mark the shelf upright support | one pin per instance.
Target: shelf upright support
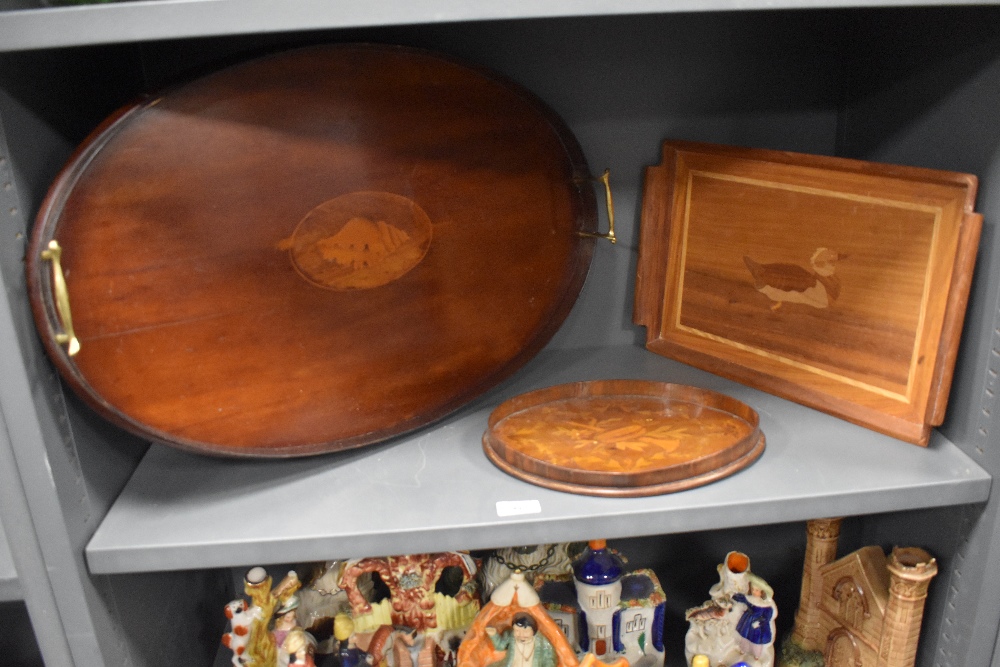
(36, 586)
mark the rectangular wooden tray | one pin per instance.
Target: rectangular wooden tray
(836, 283)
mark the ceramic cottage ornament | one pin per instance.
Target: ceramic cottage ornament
(514, 630)
(737, 624)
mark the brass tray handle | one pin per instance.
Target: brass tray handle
(603, 178)
(54, 254)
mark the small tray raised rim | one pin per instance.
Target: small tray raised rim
(668, 479)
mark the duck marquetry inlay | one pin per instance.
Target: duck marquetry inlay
(816, 286)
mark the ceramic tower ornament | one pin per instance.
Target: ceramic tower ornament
(605, 609)
(864, 609)
(597, 575)
(736, 625)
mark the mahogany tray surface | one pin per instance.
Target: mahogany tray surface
(836, 283)
(315, 250)
(622, 437)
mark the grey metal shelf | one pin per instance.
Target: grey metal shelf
(28, 25)
(10, 584)
(436, 490)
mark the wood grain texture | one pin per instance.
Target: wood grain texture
(622, 437)
(315, 250)
(836, 283)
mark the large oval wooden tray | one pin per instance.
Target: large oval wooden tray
(622, 437)
(312, 251)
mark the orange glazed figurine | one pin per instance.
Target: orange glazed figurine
(514, 630)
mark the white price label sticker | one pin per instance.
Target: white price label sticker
(518, 507)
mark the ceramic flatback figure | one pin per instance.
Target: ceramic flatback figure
(514, 630)
(432, 599)
(756, 625)
(265, 631)
(392, 611)
(412, 582)
(737, 624)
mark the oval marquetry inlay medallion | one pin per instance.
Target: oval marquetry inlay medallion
(360, 240)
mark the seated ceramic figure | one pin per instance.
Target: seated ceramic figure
(523, 646)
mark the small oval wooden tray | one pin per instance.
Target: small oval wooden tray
(622, 437)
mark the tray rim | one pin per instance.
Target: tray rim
(670, 479)
(654, 284)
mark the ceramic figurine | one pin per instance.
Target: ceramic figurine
(415, 616)
(756, 625)
(522, 645)
(240, 617)
(737, 623)
(398, 611)
(863, 610)
(322, 600)
(412, 601)
(300, 648)
(348, 652)
(541, 559)
(265, 632)
(514, 630)
(605, 610)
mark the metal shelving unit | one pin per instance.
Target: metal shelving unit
(31, 25)
(10, 584)
(109, 527)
